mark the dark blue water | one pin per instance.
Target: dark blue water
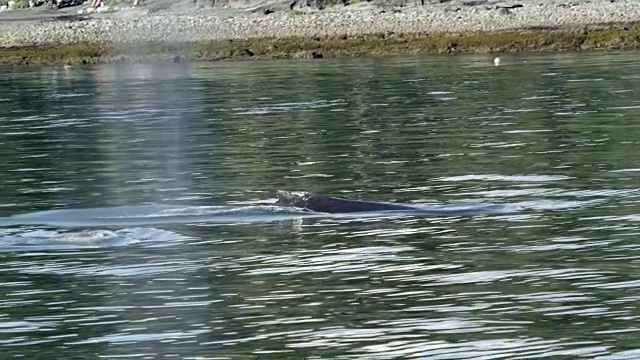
(137, 216)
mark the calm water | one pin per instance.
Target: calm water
(135, 217)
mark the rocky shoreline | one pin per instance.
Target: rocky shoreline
(475, 26)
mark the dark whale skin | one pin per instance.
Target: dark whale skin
(333, 205)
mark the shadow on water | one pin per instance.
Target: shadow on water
(135, 216)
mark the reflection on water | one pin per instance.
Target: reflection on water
(135, 216)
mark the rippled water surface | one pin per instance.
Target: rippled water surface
(136, 216)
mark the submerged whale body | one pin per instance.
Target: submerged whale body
(333, 205)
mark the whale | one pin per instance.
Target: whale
(333, 205)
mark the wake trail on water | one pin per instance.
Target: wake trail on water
(140, 224)
(144, 215)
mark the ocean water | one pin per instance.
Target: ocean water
(137, 215)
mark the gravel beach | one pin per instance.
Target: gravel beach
(29, 28)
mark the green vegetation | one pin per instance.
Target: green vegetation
(598, 38)
(17, 4)
(11, 39)
(297, 13)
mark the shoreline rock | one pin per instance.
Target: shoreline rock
(339, 31)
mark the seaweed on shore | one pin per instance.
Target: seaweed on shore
(596, 37)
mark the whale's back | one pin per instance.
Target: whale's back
(328, 204)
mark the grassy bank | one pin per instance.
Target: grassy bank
(596, 37)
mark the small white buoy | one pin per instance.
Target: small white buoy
(496, 61)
